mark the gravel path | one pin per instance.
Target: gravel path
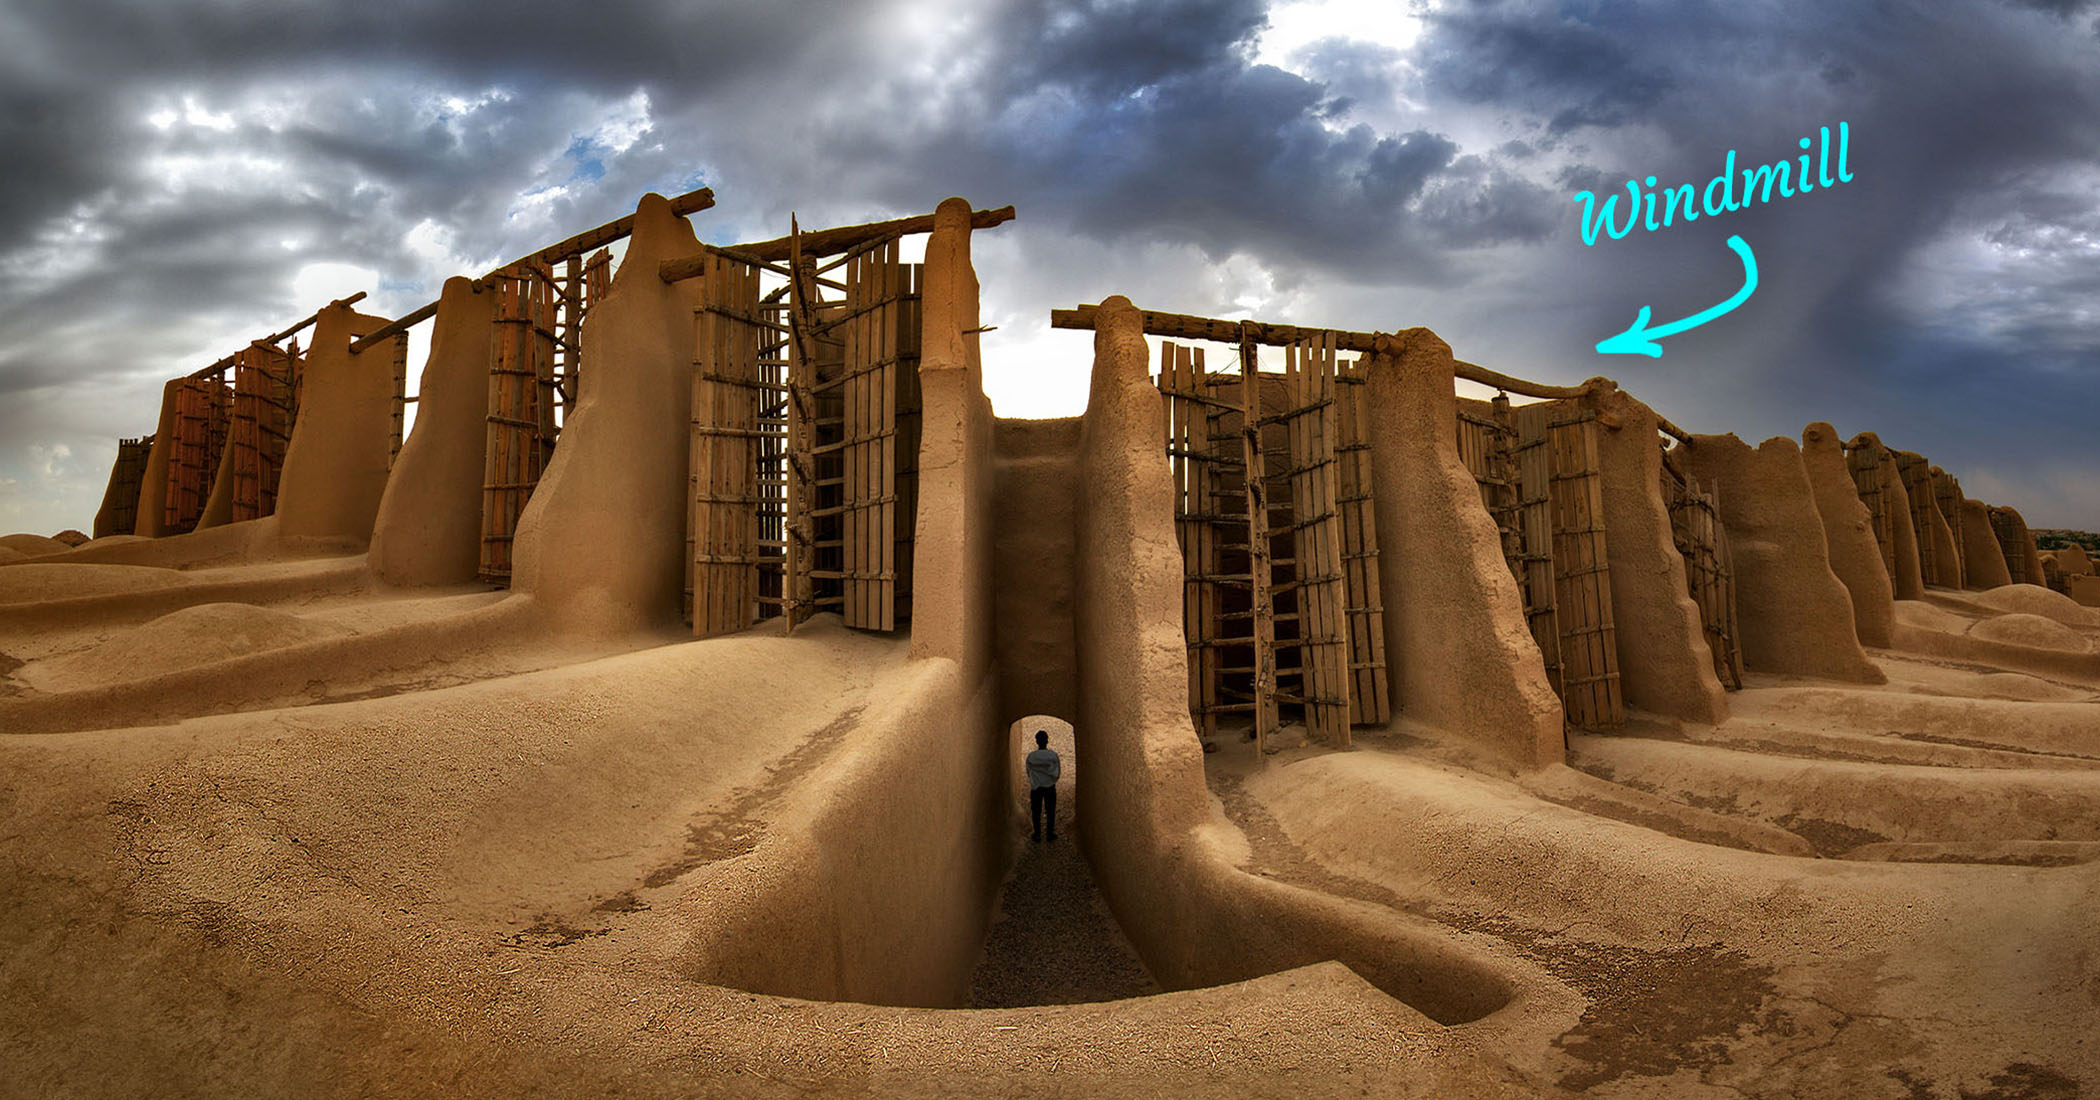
(1053, 940)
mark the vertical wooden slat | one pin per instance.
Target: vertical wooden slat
(1316, 551)
(798, 592)
(884, 392)
(905, 387)
(1365, 608)
(1261, 573)
(723, 513)
(400, 412)
(1535, 513)
(521, 422)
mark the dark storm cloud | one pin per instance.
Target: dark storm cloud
(167, 183)
(1960, 263)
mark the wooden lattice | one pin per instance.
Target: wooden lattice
(1189, 456)
(1568, 569)
(722, 565)
(203, 412)
(805, 441)
(1709, 572)
(1281, 605)
(521, 420)
(120, 502)
(1316, 586)
(261, 429)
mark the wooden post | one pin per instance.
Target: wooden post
(395, 435)
(1363, 599)
(797, 592)
(1261, 575)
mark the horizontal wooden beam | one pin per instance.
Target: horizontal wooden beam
(272, 339)
(1183, 326)
(691, 202)
(825, 242)
(688, 203)
(395, 327)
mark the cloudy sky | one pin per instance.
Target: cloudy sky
(183, 176)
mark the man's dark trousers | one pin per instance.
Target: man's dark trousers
(1042, 803)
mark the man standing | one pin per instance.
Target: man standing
(1043, 770)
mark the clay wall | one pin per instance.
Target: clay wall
(1848, 535)
(882, 888)
(1981, 555)
(956, 477)
(601, 544)
(1796, 617)
(1460, 657)
(1035, 515)
(335, 467)
(1665, 664)
(429, 526)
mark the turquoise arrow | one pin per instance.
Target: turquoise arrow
(1641, 340)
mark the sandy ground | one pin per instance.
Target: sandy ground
(471, 875)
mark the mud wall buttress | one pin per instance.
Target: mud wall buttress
(601, 544)
(953, 547)
(1665, 664)
(1458, 653)
(335, 467)
(1796, 616)
(429, 526)
(1848, 535)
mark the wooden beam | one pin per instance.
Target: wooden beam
(271, 340)
(824, 242)
(1188, 327)
(688, 203)
(394, 328)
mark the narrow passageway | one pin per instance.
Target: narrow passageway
(1053, 940)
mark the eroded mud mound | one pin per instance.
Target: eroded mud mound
(33, 582)
(2032, 631)
(33, 545)
(2030, 599)
(185, 639)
